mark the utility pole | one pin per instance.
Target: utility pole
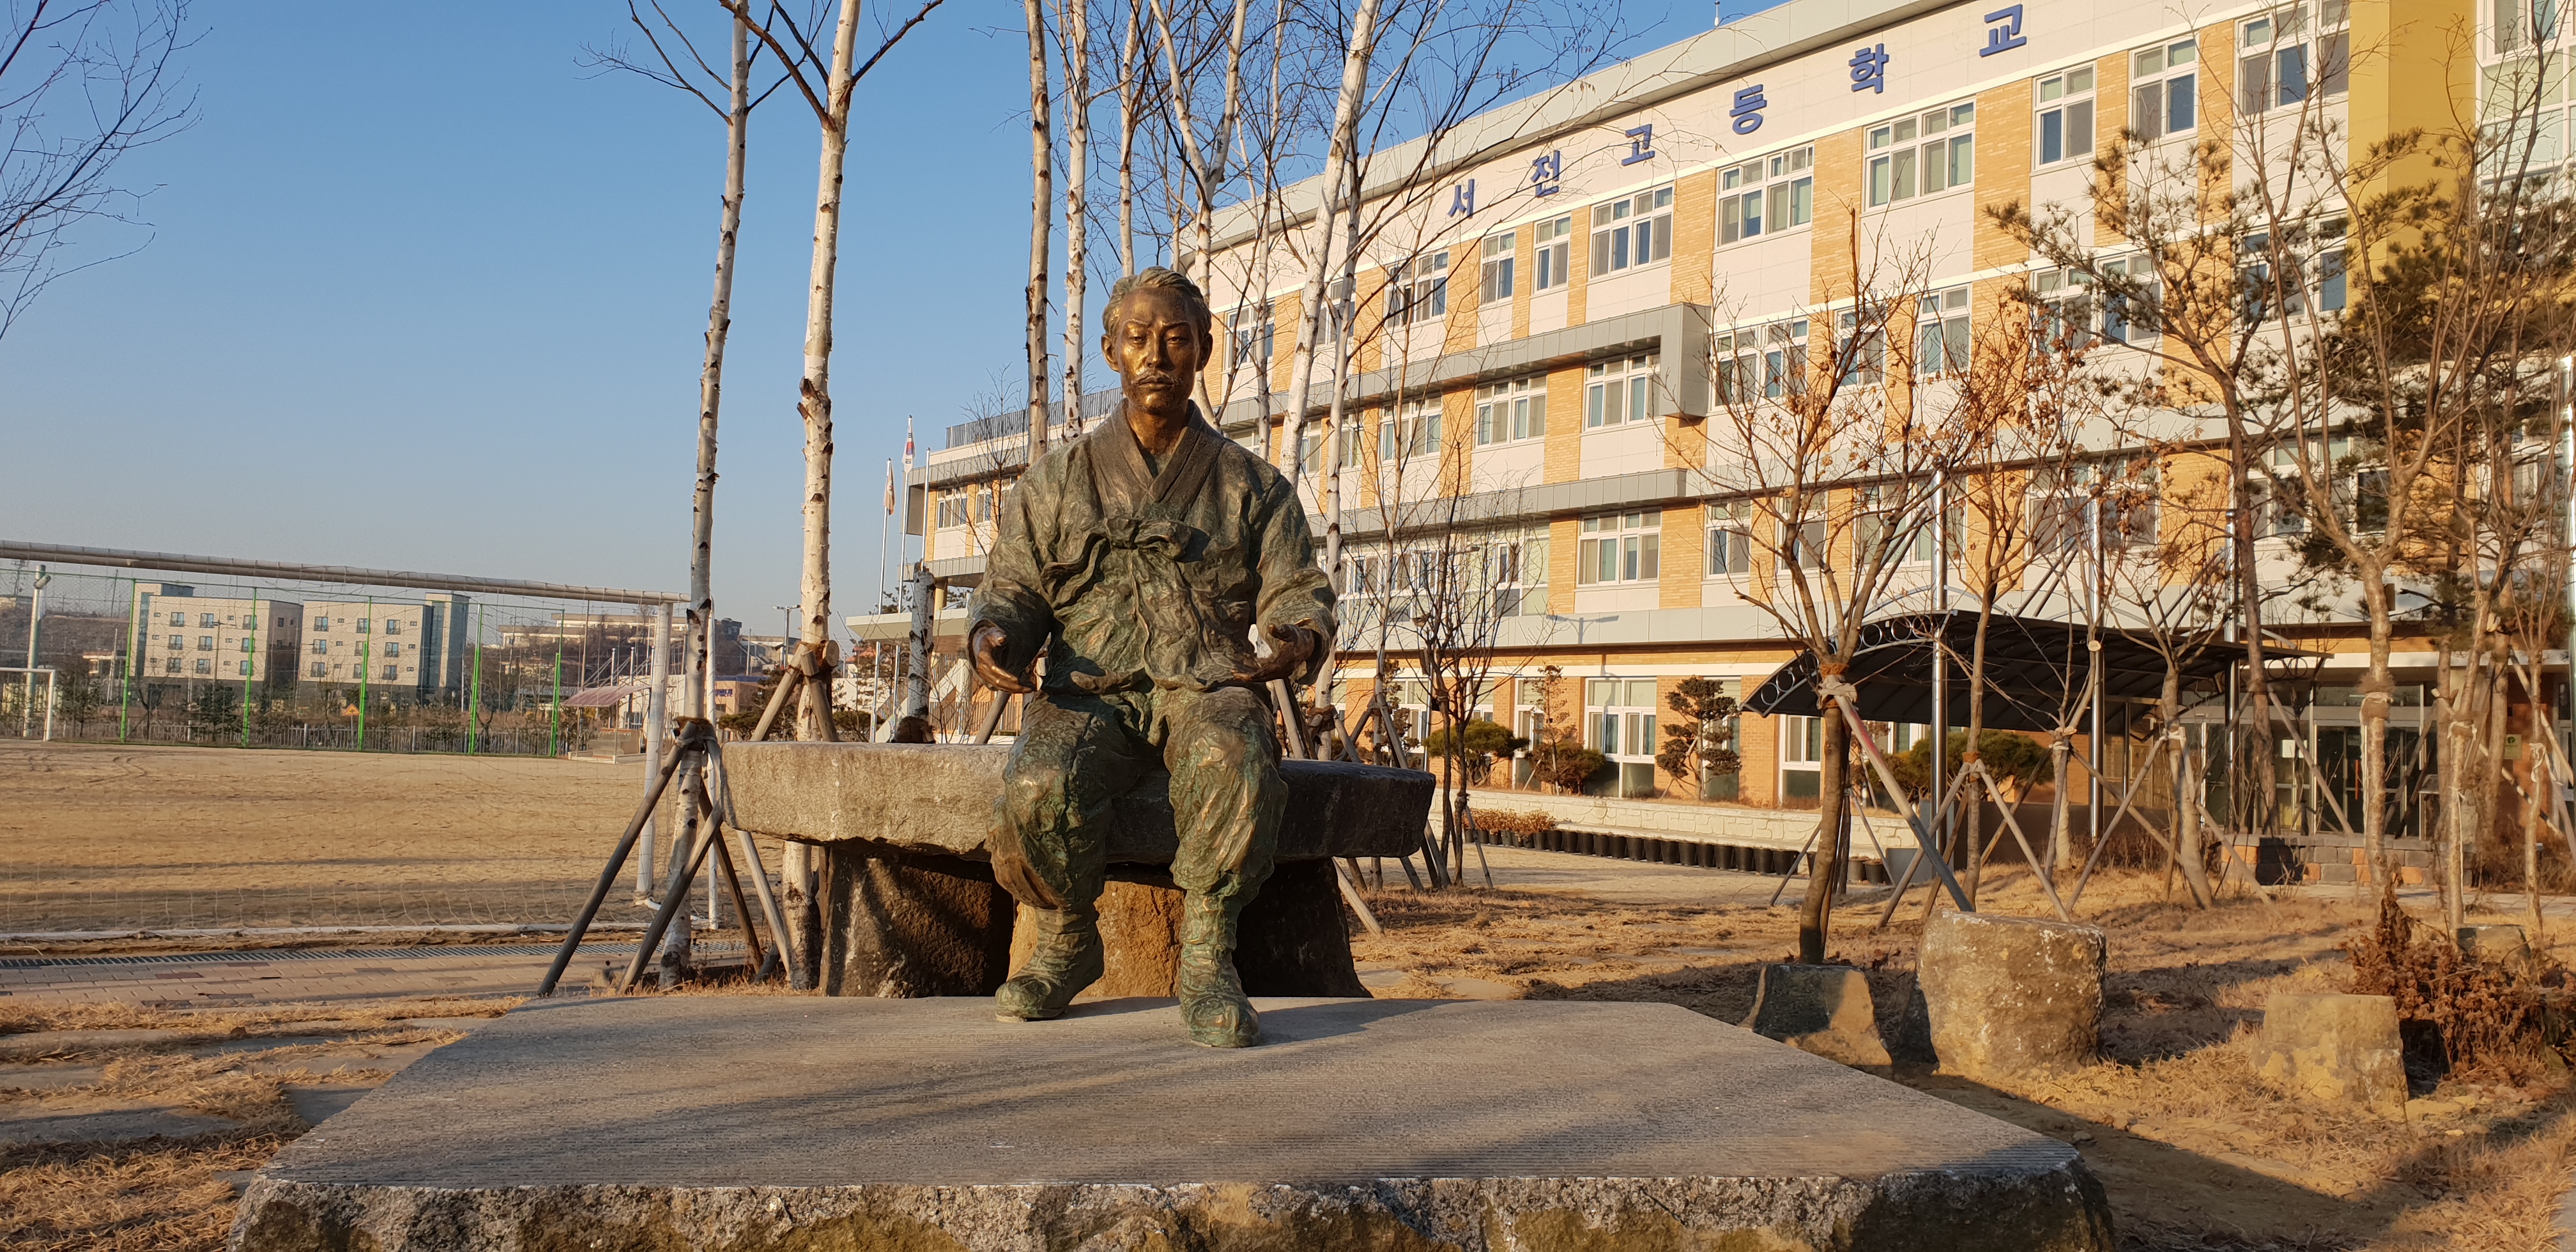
(27, 688)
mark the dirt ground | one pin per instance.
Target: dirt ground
(2195, 1151)
(120, 838)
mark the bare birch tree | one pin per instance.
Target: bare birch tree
(82, 83)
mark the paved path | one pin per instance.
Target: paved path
(198, 980)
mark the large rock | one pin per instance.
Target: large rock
(2341, 1048)
(1291, 941)
(766, 1124)
(2004, 997)
(1824, 1009)
(2494, 944)
(936, 799)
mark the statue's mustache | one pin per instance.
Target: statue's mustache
(1152, 376)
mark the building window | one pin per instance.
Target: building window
(2513, 25)
(1420, 290)
(1768, 362)
(393, 649)
(173, 666)
(2065, 116)
(1923, 154)
(393, 625)
(321, 647)
(391, 672)
(1774, 194)
(1494, 276)
(1866, 346)
(1618, 391)
(1251, 329)
(206, 620)
(1730, 538)
(2316, 272)
(1414, 431)
(1941, 340)
(321, 624)
(2280, 61)
(178, 641)
(2129, 313)
(2062, 310)
(1885, 519)
(1620, 548)
(2164, 90)
(205, 643)
(1511, 411)
(318, 670)
(362, 625)
(1632, 231)
(1802, 755)
(205, 665)
(1555, 252)
(245, 643)
(178, 619)
(1807, 543)
(1619, 719)
(245, 669)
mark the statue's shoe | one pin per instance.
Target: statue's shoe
(1221, 1017)
(1213, 1005)
(1067, 960)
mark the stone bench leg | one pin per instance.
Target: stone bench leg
(905, 926)
(901, 927)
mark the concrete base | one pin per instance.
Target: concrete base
(737, 1123)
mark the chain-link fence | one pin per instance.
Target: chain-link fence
(418, 757)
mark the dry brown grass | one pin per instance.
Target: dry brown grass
(2195, 1150)
(175, 1195)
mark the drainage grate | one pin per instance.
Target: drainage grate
(332, 954)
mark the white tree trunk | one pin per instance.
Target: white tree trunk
(1041, 213)
(1127, 124)
(1076, 15)
(1310, 307)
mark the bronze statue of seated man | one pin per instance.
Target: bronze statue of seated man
(1141, 557)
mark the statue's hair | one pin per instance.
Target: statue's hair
(1165, 279)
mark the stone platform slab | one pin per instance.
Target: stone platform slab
(936, 799)
(820, 1123)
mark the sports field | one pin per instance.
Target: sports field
(117, 838)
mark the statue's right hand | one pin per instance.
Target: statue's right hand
(986, 649)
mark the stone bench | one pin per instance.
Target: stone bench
(909, 906)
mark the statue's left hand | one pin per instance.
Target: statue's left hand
(1291, 648)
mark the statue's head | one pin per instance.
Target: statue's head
(1157, 332)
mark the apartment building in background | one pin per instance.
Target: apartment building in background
(1560, 302)
(405, 651)
(186, 638)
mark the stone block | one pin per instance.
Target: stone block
(2495, 944)
(1824, 1009)
(2342, 1048)
(2004, 997)
(802, 1122)
(936, 799)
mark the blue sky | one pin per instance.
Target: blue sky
(422, 292)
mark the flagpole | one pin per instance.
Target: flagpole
(884, 524)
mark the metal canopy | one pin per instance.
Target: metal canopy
(177, 563)
(2036, 671)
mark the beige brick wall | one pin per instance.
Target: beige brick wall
(2218, 107)
(1466, 288)
(1678, 577)
(1458, 437)
(1563, 459)
(1288, 314)
(2003, 171)
(1694, 236)
(1564, 539)
(1578, 272)
(1839, 196)
(2110, 117)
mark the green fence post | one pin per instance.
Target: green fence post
(250, 650)
(366, 661)
(133, 650)
(554, 730)
(474, 701)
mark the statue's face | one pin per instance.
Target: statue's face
(1156, 347)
